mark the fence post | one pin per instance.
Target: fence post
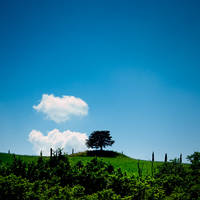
(51, 152)
(180, 158)
(166, 157)
(152, 164)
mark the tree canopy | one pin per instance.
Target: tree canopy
(99, 139)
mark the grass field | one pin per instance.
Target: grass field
(127, 164)
(5, 157)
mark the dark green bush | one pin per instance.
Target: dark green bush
(55, 178)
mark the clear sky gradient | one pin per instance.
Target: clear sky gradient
(135, 63)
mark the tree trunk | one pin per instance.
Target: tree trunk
(101, 148)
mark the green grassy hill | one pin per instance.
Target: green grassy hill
(127, 164)
(5, 157)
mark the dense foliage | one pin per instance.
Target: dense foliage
(55, 178)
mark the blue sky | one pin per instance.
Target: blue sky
(135, 63)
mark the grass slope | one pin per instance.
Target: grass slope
(5, 157)
(127, 164)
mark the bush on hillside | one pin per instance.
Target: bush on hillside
(55, 178)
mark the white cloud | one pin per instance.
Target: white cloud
(56, 139)
(60, 109)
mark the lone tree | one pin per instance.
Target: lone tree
(99, 139)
